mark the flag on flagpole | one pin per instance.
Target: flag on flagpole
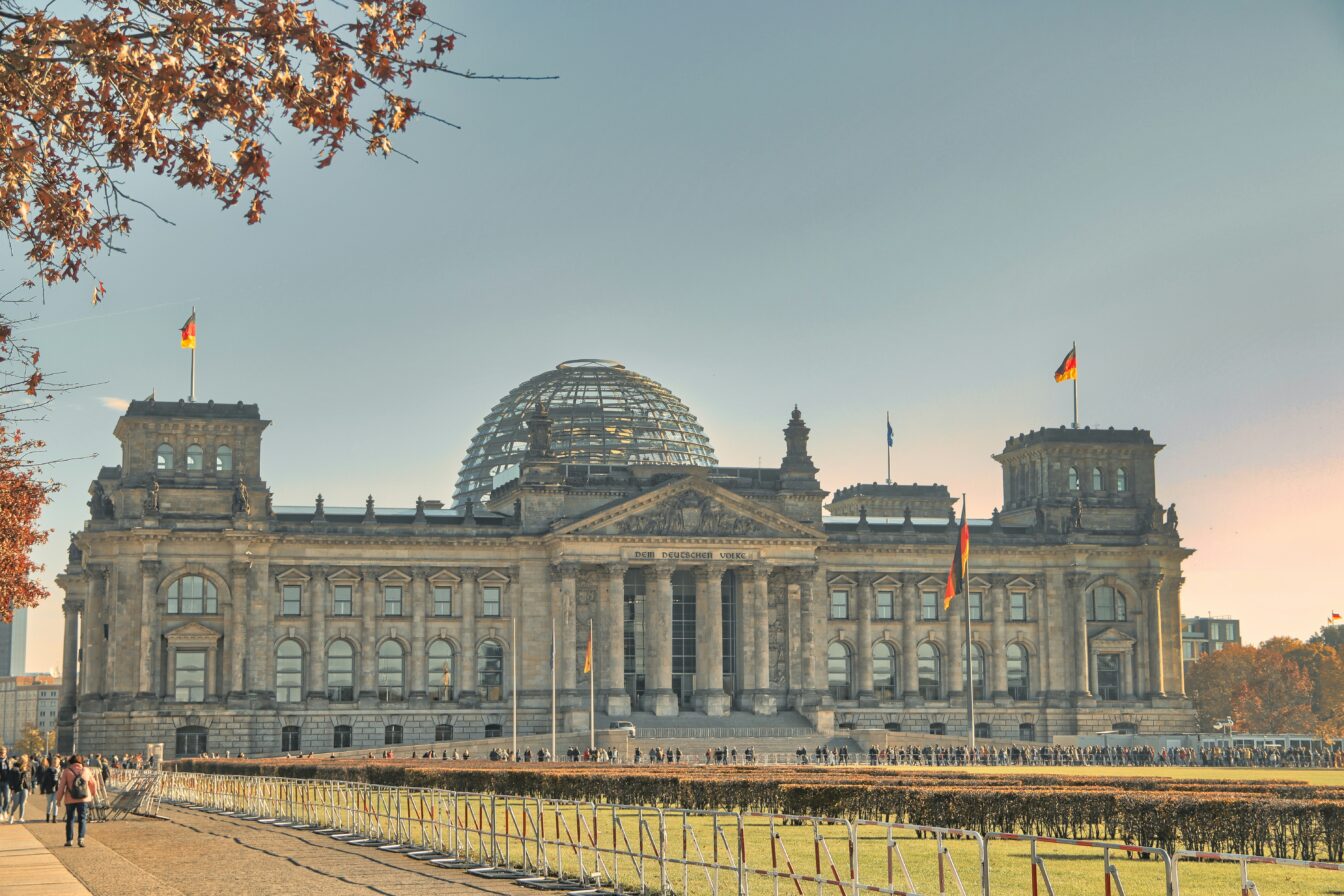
(1068, 368)
(891, 435)
(189, 332)
(956, 576)
(588, 654)
(1335, 617)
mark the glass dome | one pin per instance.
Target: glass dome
(601, 413)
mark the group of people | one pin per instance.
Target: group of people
(64, 781)
(1053, 755)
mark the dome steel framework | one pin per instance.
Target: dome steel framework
(601, 413)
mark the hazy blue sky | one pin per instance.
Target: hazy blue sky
(859, 208)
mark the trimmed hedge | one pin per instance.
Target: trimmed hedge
(1289, 819)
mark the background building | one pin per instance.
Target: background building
(27, 701)
(1202, 635)
(13, 643)
(200, 614)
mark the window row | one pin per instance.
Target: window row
(193, 740)
(886, 671)
(165, 460)
(930, 605)
(1120, 479)
(440, 677)
(197, 595)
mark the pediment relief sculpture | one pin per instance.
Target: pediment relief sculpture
(691, 513)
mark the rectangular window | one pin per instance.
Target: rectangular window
(1017, 606)
(189, 676)
(1188, 648)
(490, 600)
(976, 603)
(839, 604)
(443, 600)
(392, 600)
(290, 600)
(343, 600)
(886, 605)
(340, 737)
(928, 604)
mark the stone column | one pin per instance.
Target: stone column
(237, 651)
(1075, 582)
(564, 610)
(70, 673)
(466, 669)
(610, 659)
(368, 635)
(998, 651)
(419, 659)
(1171, 629)
(149, 627)
(1127, 675)
(1092, 667)
(260, 627)
(93, 669)
(956, 649)
(658, 696)
(763, 702)
(807, 647)
(746, 636)
(864, 648)
(709, 695)
(909, 645)
(1152, 595)
(318, 602)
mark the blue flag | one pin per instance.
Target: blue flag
(891, 436)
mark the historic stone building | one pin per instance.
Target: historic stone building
(199, 614)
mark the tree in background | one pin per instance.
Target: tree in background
(193, 91)
(1284, 686)
(33, 742)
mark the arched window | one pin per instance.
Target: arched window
(193, 595)
(837, 670)
(340, 672)
(937, 728)
(289, 671)
(930, 671)
(191, 741)
(443, 731)
(163, 457)
(290, 739)
(886, 672)
(341, 737)
(1096, 479)
(439, 685)
(1121, 480)
(195, 459)
(393, 734)
(1073, 479)
(1019, 671)
(223, 459)
(977, 671)
(1026, 731)
(391, 671)
(1105, 604)
(490, 670)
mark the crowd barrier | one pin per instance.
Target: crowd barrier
(601, 848)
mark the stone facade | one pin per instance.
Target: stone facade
(200, 615)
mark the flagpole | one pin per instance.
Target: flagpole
(970, 677)
(192, 396)
(592, 702)
(888, 447)
(513, 637)
(553, 671)
(1075, 385)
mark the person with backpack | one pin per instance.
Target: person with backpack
(76, 791)
(48, 779)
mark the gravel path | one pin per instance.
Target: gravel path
(196, 854)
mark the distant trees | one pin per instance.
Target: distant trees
(1283, 686)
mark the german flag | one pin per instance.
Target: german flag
(956, 576)
(1068, 369)
(189, 332)
(588, 654)
(1335, 617)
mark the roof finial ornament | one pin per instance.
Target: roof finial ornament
(368, 510)
(319, 509)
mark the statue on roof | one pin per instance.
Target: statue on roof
(1171, 517)
(242, 504)
(152, 495)
(1076, 514)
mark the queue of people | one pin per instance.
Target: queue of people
(64, 781)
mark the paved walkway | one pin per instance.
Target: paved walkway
(29, 869)
(194, 854)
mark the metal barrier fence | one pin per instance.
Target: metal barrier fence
(618, 849)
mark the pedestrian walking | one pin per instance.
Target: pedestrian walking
(76, 791)
(20, 782)
(48, 780)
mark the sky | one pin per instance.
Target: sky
(858, 208)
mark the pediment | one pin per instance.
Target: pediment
(1021, 584)
(690, 508)
(192, 633)
(1112, 636)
